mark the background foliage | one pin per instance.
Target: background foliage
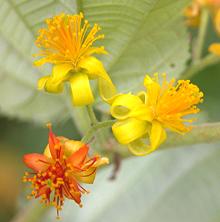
(143, 36)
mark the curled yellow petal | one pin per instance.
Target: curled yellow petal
(123, 105)
(50, 85)
(128, 105)
(54, 83)
(42, 82)
(81, 90)
(60, 72)
(215, 48)
(157, 135)
(143, 96)
(129, 130)
(96, 70)
(139, 147)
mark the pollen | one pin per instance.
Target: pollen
(67, 40)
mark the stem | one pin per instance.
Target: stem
(209, 60)
(91, 114)
(95, 128)
(204, 133)
(201, 35)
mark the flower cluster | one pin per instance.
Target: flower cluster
(141, 119)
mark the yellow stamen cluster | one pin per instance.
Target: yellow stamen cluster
(174, 102)
(67, 40)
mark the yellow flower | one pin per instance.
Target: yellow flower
(146, 115)
(67, 43)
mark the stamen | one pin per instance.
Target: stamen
(66, 40)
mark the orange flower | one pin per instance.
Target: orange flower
(58, 172)
(193, 11)
(192, 14)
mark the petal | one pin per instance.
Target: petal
(37, 162)
(78, 157)
(143, 96)
(129, 130)
(215, 48)
(128, 105)
(55, 146)
(44, 190)
(71, 146)
(54, 83)
(42, 82)
(96, 70)
(101, 161)
(87, 176)
(139, 147)
(61, 72)
(153, 90)
(81, 90)
(157, 135)
(76, 196)
(123, 105)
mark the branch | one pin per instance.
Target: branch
(204, 133)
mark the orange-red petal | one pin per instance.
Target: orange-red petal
(77, 158)
(37, 162)
(76, 196)
(55, 146)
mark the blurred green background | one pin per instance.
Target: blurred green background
(143, 36)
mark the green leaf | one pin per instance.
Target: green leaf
(176, 185)
(141, 36)
(19, 96)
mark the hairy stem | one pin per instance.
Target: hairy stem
(90, 133)
(91, 114)
(204, 133)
